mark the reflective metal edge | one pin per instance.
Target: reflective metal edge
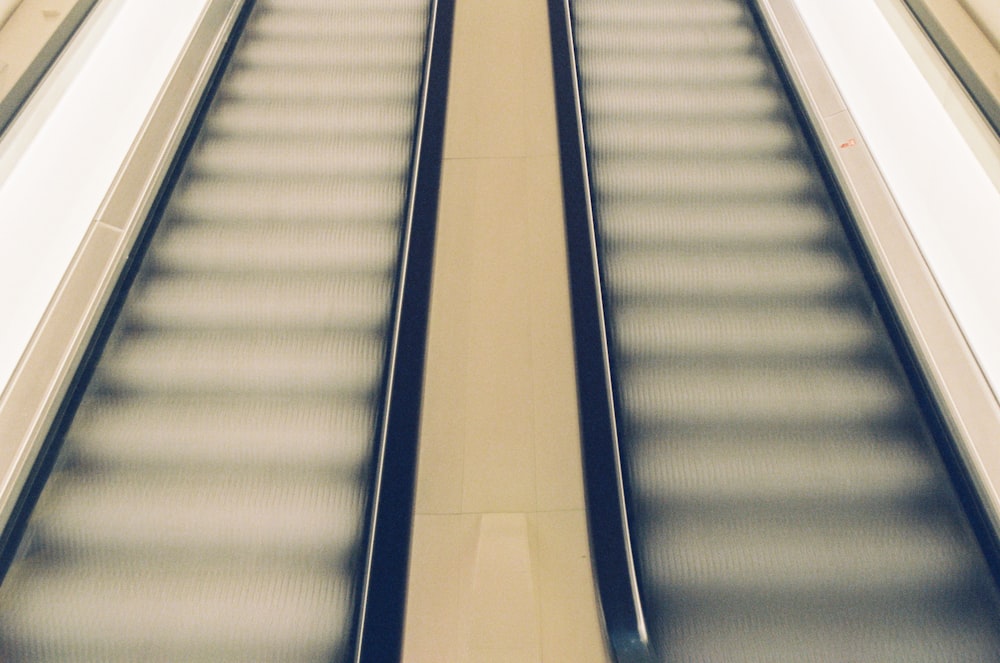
(31, 401)
(968, 406)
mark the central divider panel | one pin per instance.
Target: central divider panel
(500, 568)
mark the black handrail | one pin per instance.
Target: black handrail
(381, 610)
(602, 464)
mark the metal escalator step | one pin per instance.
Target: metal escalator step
(926, 632)
(238, 361)
(345, 248)
(225, 610)
(314, 86)
(801, 276)
(789, 333)
(778, 395)
(374, 23)
(870, 554)
(623, 101)
(783, 468)
(221, 431)
(227, 158)
(261, 52)
(294, 203)
(297, 302)
(704, 71)
(784, 498)
(280, 118)
(289, 513)
(210, 498)
(402, 7)
(648, 12)
(718, 140)
(734, 179)
(650, 38)
(736, 226)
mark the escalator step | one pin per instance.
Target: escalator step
(210, 499)
(785, 499)
(221, 610)
(190, 430)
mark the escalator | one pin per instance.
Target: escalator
(227, 469)
(763, 481)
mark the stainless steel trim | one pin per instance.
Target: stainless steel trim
(40, 382)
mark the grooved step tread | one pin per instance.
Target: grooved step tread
(211, 497)
(785, 500)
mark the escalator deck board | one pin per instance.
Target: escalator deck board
(786, 500)
(210, 496)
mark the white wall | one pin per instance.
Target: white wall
(60, 156)
(946, 187)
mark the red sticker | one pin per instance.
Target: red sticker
(850, 143)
